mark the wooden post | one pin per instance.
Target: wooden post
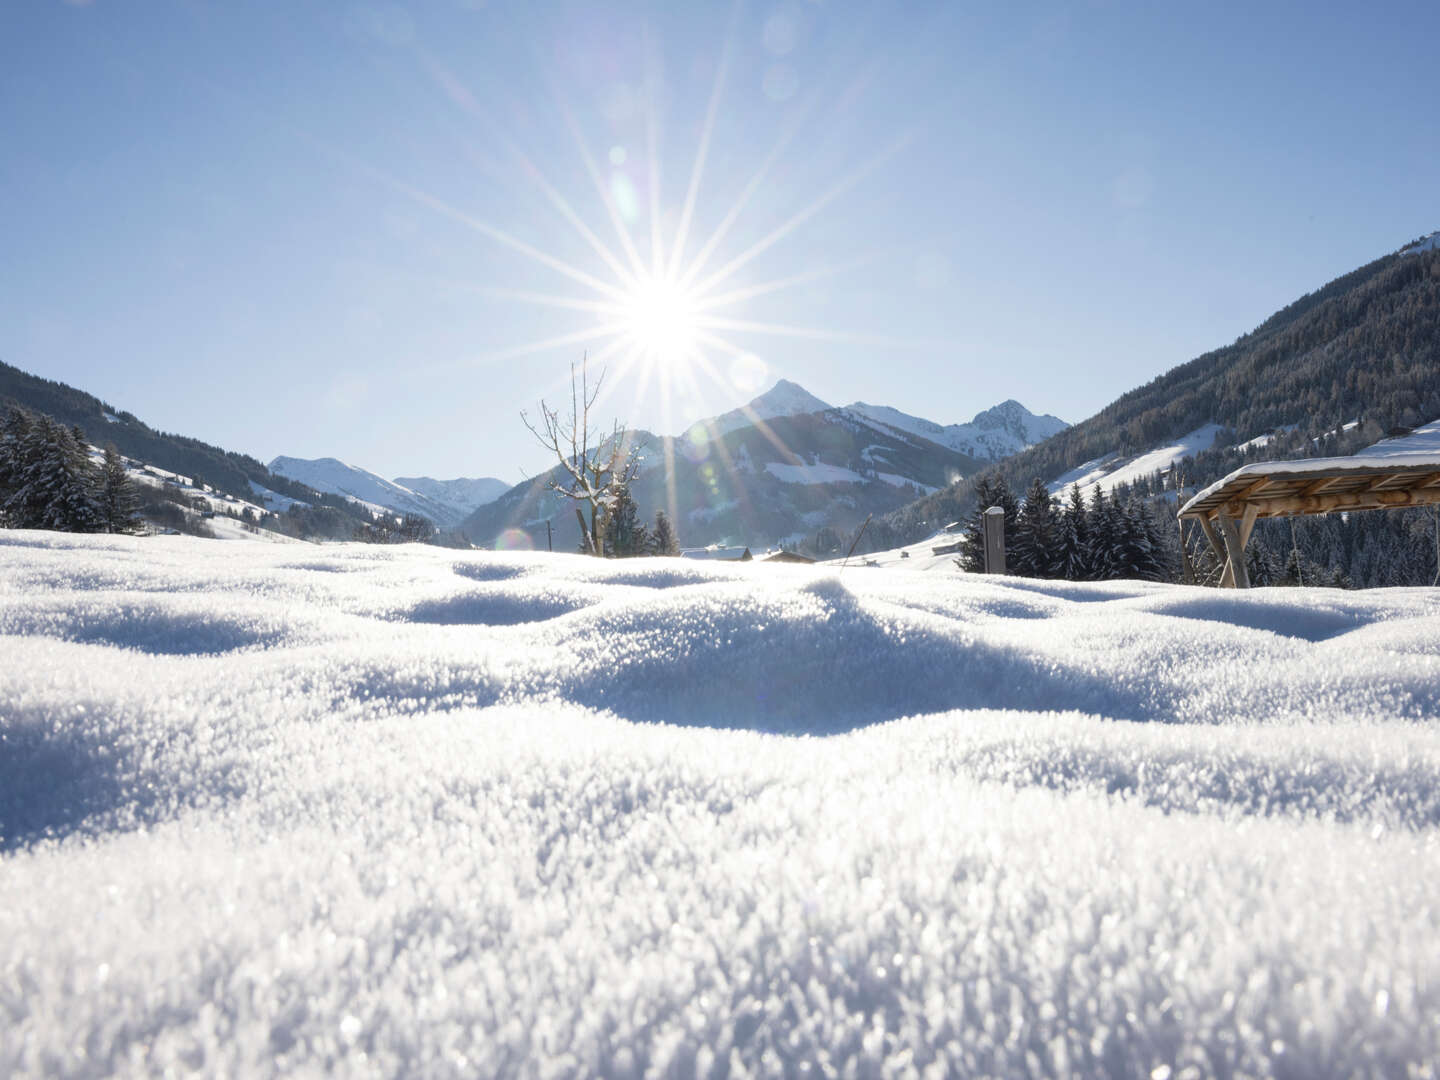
(1186, 568)
(549, 537)
(994, 517)
(1235, 553)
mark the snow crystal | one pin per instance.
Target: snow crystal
(407, 811)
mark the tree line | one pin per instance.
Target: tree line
(1072, 538)
(48, 480)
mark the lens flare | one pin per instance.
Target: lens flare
(514, 540)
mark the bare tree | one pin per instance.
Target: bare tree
(590, 475)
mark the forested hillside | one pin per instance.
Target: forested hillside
(222, 469)
(1365, 347)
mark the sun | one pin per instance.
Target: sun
(662, 319)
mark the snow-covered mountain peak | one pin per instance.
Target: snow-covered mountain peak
(1014, 419)
(995, 433)
(785, 398)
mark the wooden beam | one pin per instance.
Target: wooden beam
(1348, 500)
(1251, 489)
(1317, 486)
(1235, 552)
(1213, 537)
(1247, 523)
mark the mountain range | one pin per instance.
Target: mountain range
(445, 502)
(777, 470)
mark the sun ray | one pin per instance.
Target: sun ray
(592, 169)
(760, 425)
(717, 441)
(709, 303)
(703, 150)
(747, 326)
(500, 236)
(576, 337)
(653, 77)
(844, 184)
(571, 303)
(562, 205)
(455, 89)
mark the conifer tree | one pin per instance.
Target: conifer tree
(119, 501)
(625, 534)
(1102, 552)
(662, 537)
(55, 486)
(1072, 560)
(1134, 557)
(1032, 552)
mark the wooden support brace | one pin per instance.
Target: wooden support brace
(1213, 537)
(1235, 551)
(1247, 524)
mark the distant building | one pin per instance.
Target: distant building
(717, 553)
(787, 556)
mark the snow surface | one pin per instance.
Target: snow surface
(1110, 471)
(404, 811)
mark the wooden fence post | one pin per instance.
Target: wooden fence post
(994, 517)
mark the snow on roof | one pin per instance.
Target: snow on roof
(1400, 471)
(717, 552)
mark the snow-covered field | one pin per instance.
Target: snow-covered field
(269, 810)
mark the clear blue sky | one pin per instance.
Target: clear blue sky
(306, 228)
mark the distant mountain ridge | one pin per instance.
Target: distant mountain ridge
(995, 433)
(352, 482)
(783, 466)
(463, 493)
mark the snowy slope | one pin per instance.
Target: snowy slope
(221, 513)
(402, 812)
(375, 492)
(995, 433)
(1113, 469)
(1429, 243)
(464, 494)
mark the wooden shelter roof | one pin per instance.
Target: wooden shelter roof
(1321, 486)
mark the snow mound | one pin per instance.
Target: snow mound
(404, 811)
